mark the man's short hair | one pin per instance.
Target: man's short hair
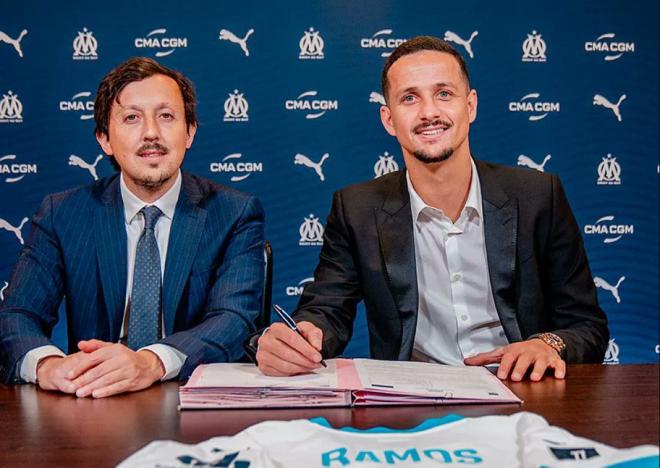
(419, 44)
(137, 69)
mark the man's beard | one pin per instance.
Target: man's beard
(153, 183)
(427, 158)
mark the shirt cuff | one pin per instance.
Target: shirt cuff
(171, 358)
(31, 360)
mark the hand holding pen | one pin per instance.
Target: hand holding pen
(286, 318)
(289, 348)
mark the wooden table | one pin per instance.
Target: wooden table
(617, 405)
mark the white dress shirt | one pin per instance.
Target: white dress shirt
(456, 314)
(171, 358)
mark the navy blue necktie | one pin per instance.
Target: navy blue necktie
(144, 319)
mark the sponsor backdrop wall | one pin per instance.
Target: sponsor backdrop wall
(289, 99)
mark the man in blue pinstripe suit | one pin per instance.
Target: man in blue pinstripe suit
(160, 270)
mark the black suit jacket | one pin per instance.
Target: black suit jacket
(539, 272)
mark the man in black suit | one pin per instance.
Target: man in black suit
(458, 261)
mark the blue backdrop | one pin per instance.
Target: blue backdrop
(566, 87)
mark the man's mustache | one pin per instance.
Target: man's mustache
(435, 123)
(152, 147)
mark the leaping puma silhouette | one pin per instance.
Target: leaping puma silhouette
(601, 283)
(305, 161)
(377, 98)
(15, 42)
(527, 161)
(16, 230)
(227, 35)
(451, 36)
(78, 161)
(603, 101)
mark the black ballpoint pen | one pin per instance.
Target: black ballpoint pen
(286, 318)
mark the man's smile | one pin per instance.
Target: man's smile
(432, 130)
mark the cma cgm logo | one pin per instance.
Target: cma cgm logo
(11, 108)
(298, 289)
(157, 39)
(531, 104)
(80, 103)
(609, 46)
(610, 230)
(85, 46)
(313, 108)
(382, 40)
(13, 171)
(240, 170)
(311, 232)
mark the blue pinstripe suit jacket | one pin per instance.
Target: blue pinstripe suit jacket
(76, 249)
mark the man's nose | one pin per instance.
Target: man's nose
(151, 129)
(430, 109)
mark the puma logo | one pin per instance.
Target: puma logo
(451, 36)
(305, 161)
(377, 98)
(16, 230)
(78, 161)
(527, 161)
(227, 35)
(15, 42)
(601, 283)
(603, 101)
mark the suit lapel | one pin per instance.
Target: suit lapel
(397, 246)
(110, 237)
(185, 234)
(501, 233)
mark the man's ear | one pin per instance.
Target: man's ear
(386, 120)
(192, 129)
(103, 140)
(472, 105)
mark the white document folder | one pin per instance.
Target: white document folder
(345, 382)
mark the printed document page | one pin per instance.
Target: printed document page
(245, 375)
(431, 380)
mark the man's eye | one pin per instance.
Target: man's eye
(167, 115)
(408, 98)
(444, 94)
(131, 118)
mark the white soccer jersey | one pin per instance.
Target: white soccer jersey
(520, 440)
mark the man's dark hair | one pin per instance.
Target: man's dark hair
(419, 44)
(137, 69)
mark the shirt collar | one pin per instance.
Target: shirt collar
(473, 202)
(166, 203)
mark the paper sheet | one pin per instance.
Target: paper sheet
(433, 380)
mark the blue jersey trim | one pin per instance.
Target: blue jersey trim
(428, 424)
(652, 461)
